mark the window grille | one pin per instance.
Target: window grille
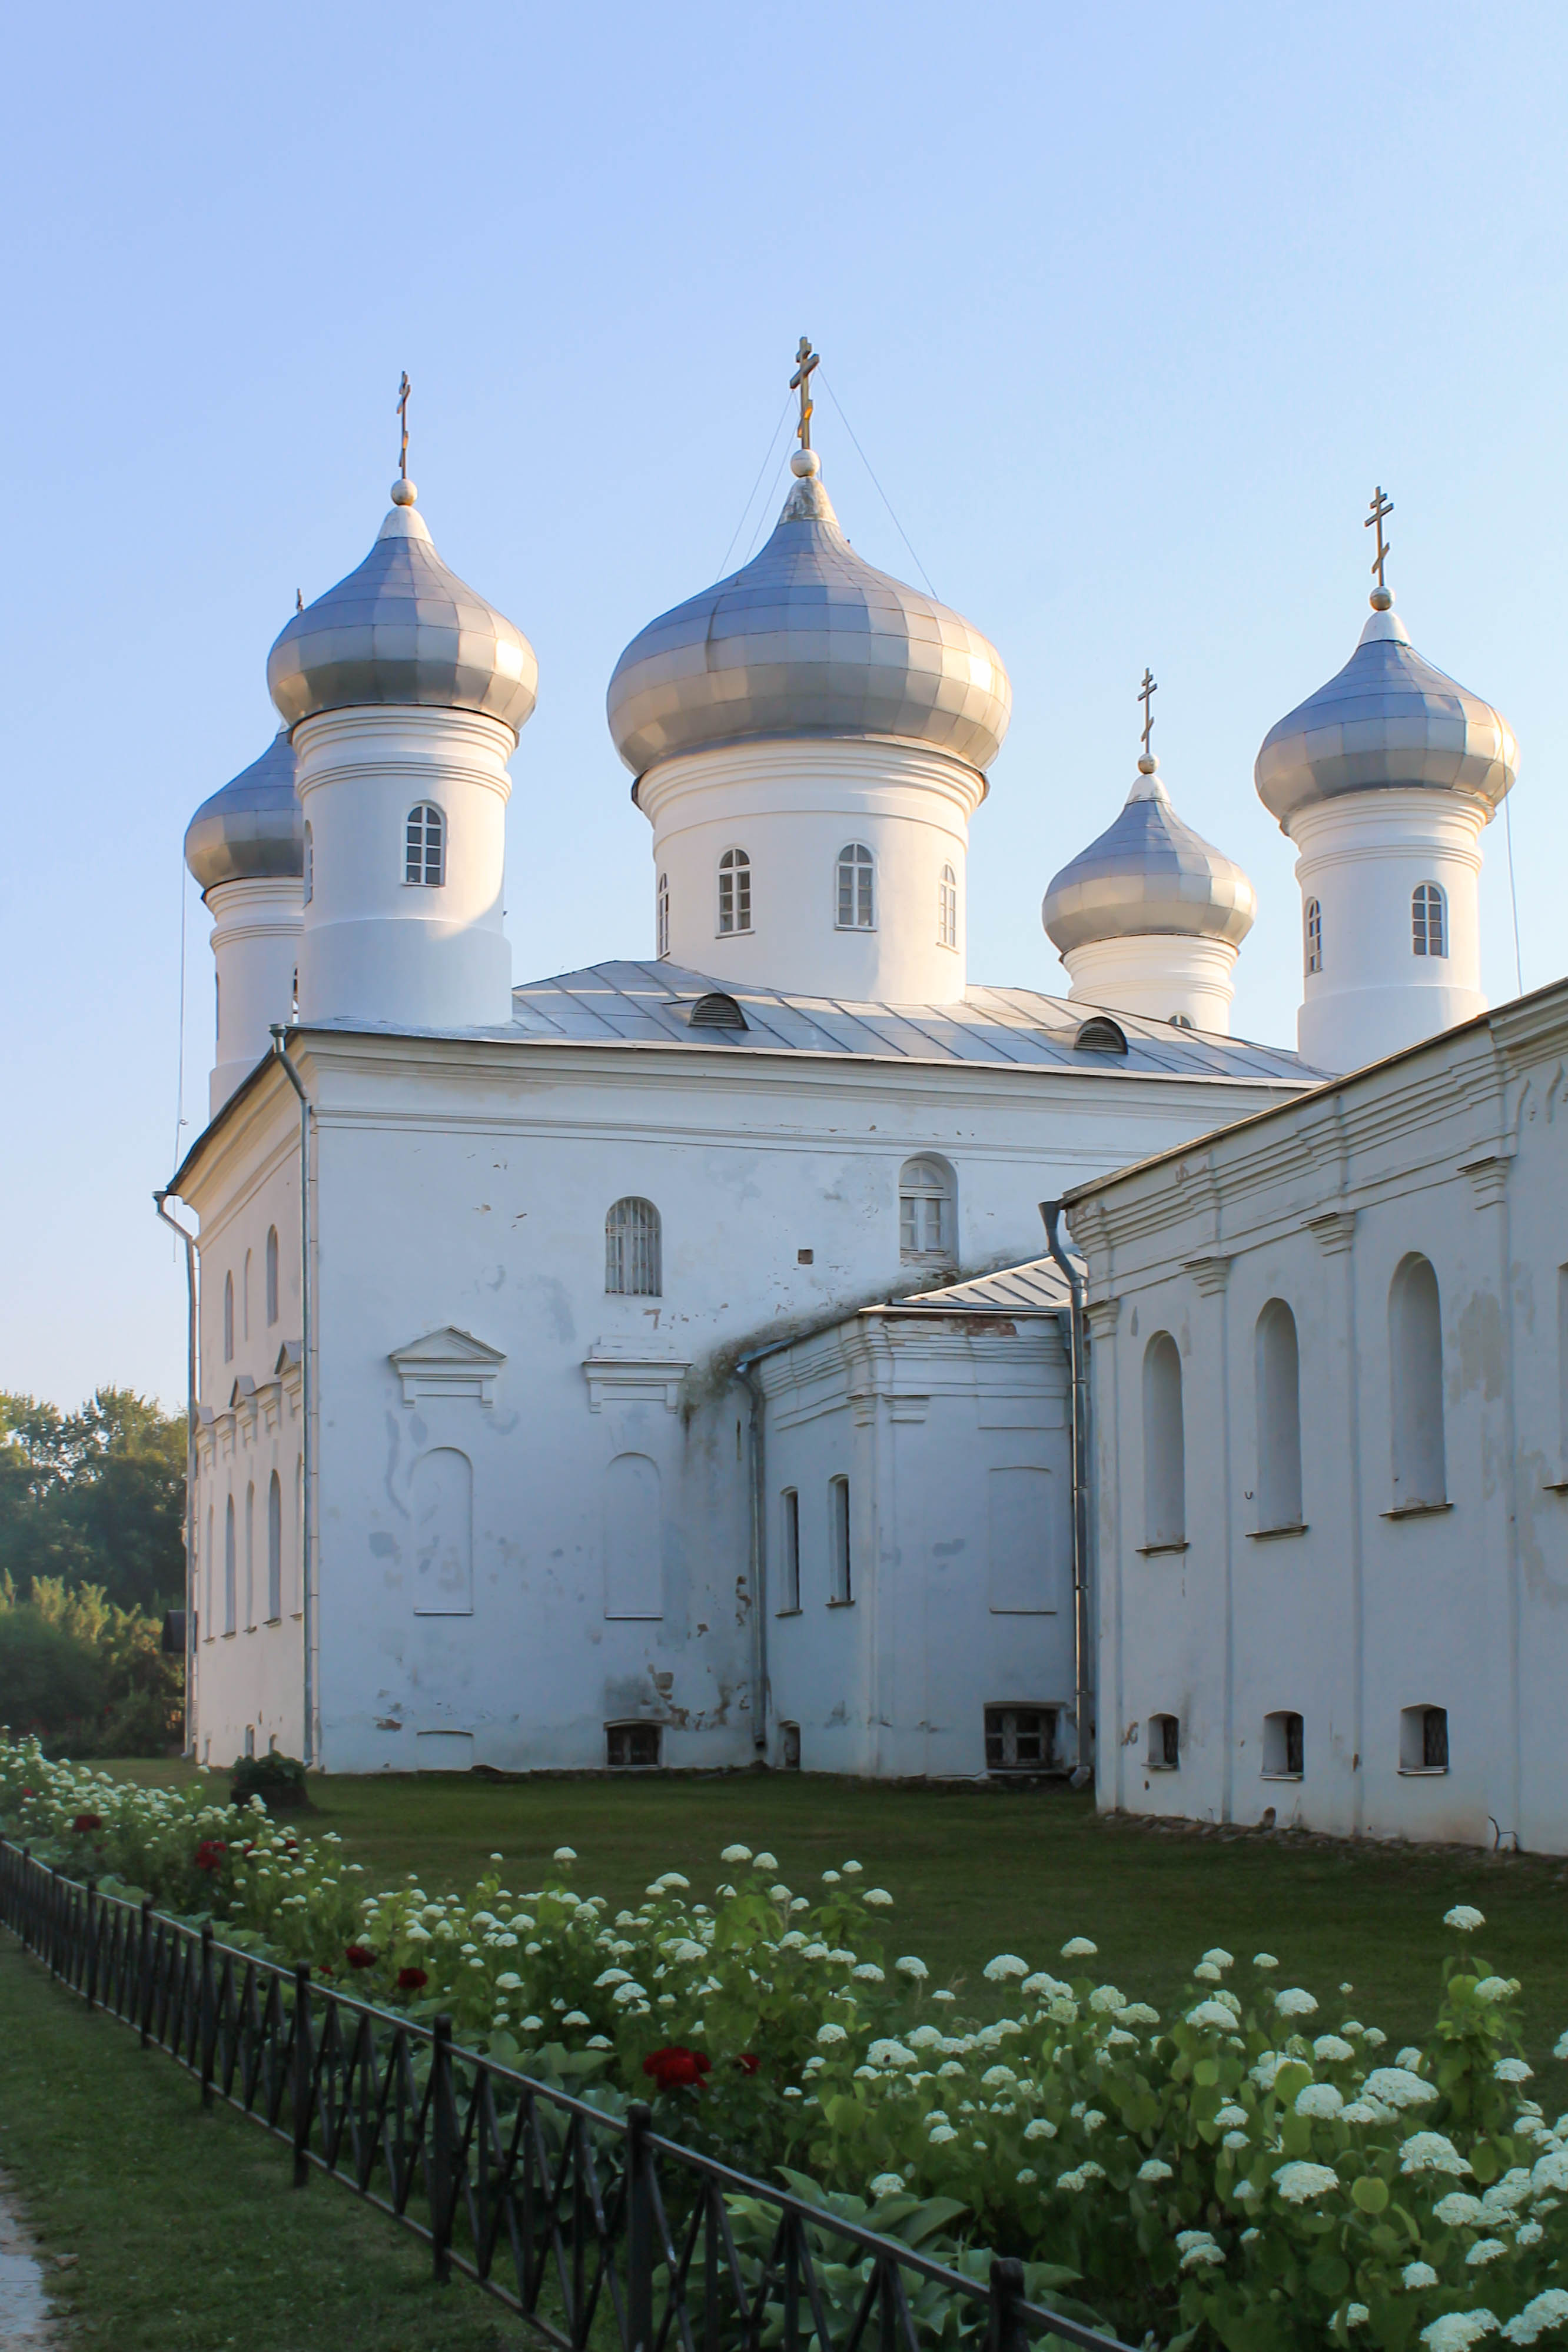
(734, 891)
(1313, 925)
(425, 855)
(1429, 928)
(1020, 1739)
(926, 1206)
(947, 909)
(1164, 1743)
(632, 1250)
(1423, 1739)
(857, 907)
(838, 1537)
(662, 918)
(632, 1746)
(1284, 1747)
(789, 1580)
(271, 1275)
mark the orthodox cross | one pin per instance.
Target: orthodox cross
(1145, 695)
(404, 390)
(298, 600)
(1379, 507)
(806, 360)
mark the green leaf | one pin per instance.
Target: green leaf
(1370, 2193)
(1328, 2274)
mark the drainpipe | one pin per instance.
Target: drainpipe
(159, 1200)
(1077, 1287)
(306, 1391)
(752, 1386)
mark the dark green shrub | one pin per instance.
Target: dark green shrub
(49, 1681)
(277, 1780)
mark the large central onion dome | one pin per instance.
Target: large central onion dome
(254, 829)
(402, 629)
(808, 640)
(1148, 874)
(1389, 719)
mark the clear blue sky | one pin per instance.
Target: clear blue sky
(1129, 307)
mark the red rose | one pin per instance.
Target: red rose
(748, 2063)
(412, 1980)
(29, 1793)
(359, 1957)
(86, 1822)
(210, 1854)
(677, 2068)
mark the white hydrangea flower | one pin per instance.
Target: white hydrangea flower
(1005, 1965)
(509, 1983)
(926, 2037)
(1457, 2210)
(1107, 2000)
(951, 2068)
(1529, 2233)
(940, 2134)
(1417, 2275)
(1373, 2036)
(1549, 2309)
(830, 2034)
(1042, 1984)
(1431, 2152)
(1154, 2168)
(1206, 1972)
(1506, 2194)
(1078, 1948)
(1560, 2048)
(630, 1991)
(874, 1895)
(1295, 2002)
(1409, 2057)
(1511, 2070)
(1466, 1918)
(600, 2042)
(1041, 2127)
(1264, 2069)
(1495, 1988)
(1231, 2117)
(830, 1878)
(1201, 2252)
(1234, 2140)
(1026, 2176)
(1263, 1960)
(890, 2054)
(1356, 2314)
(779, 1894)
(767, 1861)
(1211, 2013)
(1549, 2172)
(887, 2184)
(1298, 2182)
(574, 2017)
(1397, 2086)
(565, 1854)
(1330, 2050)
(997, 2078)
(1137, 2012)
(910, 1966)
(869, 1973)
(733, 1854)
(1080, 2177)
(1457, 2330)
(1485, 2250)
(1365, 2110)
(1219, 1958)
(1092, 2120)
(1321, 2100)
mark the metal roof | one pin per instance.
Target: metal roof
(254, 827)
(1038, 1285)
(1149, 873)
(651, 1005)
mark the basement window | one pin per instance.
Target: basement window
(632, 1746)
(789, 1746)
(1020, 1739)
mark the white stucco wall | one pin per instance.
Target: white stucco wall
(256, 954)
(1457, 1151)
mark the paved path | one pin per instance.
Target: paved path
(25, 2322)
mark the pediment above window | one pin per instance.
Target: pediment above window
(447, 1363)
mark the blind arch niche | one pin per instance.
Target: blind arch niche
(1278, 1386)
(1415, 1386)
(441, 1500)
(1164, 1447)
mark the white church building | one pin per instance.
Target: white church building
(658, 1363)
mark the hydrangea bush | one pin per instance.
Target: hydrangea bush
(1253, 2170)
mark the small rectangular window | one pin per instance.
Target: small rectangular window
(632, 1746)
(1423, 1739)
(1164, 1743)
(1020, 1739)
(789, 1746)
(789, 1564)
(1284, 1747)
(842, 1588)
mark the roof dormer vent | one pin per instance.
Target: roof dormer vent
(717, 1011)
(1100, 1034)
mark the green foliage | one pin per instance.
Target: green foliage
(76, 1669)
(49, 1681)
(95, 1497)
(278, 1780)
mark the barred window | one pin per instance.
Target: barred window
(1164, 1743)
(632, 1746)
(632, 1250)
(1428, 926)
(947, 909)
(1020, 1739)
(1312, 924)
(856, 907)
(425, 852)
(734, 891)
(1423, 1739)
(662, 918)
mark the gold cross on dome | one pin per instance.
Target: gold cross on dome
(805, 360)
(1380, 507)
(403, 389)
(1146, 694)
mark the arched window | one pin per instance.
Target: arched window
(207, 1582)
(250, 1555)
(1165, 1452)
(734, 891)
(228, 1317)
(274, 1548)
(1422, 1739)
(245, 1296)
(926, 1205)
(661, 917)
(309, 864)
(1312, 929)
(1284, 1746)
(230, 1570)
(1428, 921)
(841, 1584)
(857, 907)
(947, 908)
(1276, 1380)
(1415, 1384)
(425, 848)
(632, 1250)
(271, 1275)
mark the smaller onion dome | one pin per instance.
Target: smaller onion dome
(402, 629)
(1148, 874)
(1389, 719)
(254, 829)
(807, 640)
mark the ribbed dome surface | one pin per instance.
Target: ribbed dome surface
(1388, 719)
(253, 828)
(1148, 873)
(808, 640)
(402, 629)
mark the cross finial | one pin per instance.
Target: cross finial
(403, 389)
(298, 600)
(806, 360)
(1146, 694)
(1380, 507)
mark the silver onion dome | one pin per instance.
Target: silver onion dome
(254, 829)
(1148, 873)
(808, 640)
(1388, 719)
(402, 629)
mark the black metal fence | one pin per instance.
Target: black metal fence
(596, 2230)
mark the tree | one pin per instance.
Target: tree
(95, 1497)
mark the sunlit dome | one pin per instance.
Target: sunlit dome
(808, 640)
(253, 829)
(1148, 874)
(402, 629)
